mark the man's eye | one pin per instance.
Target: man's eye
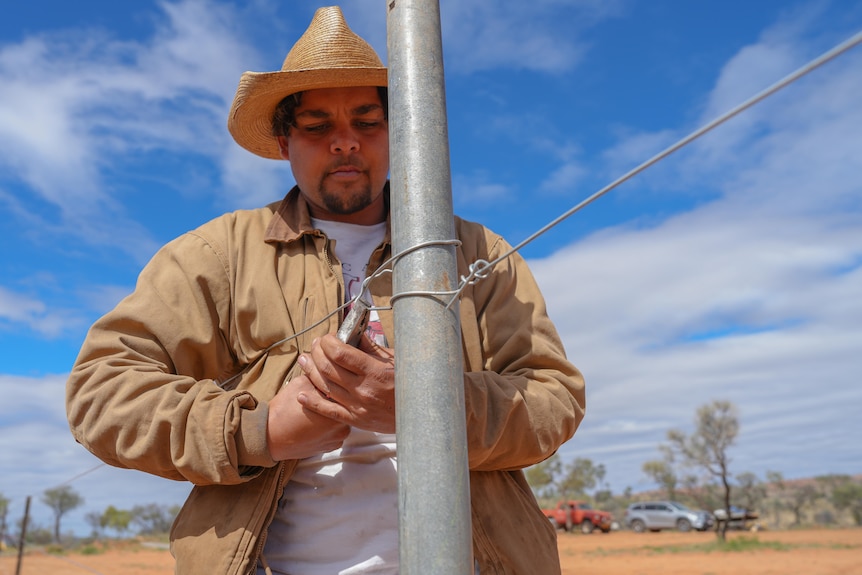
(366, 124)
(316, 128)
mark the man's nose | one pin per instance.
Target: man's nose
(344, 140)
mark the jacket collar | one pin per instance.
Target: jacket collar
(292, 219)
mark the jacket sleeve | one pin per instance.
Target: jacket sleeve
(523, 398)
(142, 393)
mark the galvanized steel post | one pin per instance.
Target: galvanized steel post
(433, 475)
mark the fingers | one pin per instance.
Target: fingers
(331, 364)
(379, 417)
(334, 358)
(353, 386)
(325, 407)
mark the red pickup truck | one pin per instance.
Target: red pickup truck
(569, 514)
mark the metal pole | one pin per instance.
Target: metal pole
(433, 474)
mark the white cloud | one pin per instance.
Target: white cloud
(477, 188)
(17, 310)
(17, 307)
(539, 36)
(564, 179)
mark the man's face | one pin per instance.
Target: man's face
(339, 153)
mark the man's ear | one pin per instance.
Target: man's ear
(282, 147)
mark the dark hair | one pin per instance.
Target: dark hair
(285, 112)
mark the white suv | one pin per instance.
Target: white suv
(658, 515)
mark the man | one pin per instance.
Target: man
(221, 368)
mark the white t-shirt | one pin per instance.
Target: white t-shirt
(339, 511)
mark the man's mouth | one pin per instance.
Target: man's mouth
(345, 171)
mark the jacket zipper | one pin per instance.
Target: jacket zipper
(261, 541)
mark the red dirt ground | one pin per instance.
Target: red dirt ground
(811, 552)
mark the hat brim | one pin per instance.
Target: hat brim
(258, 94)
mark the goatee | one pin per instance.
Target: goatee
(345, 202)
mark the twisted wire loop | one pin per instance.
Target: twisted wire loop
(480, 269)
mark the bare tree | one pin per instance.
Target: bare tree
(61, 500)
(716, 427)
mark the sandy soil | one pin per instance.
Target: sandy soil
(814, 552)
(141, 561)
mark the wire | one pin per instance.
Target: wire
(80, 475)
(76, 477)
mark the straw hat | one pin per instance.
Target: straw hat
(328, 55)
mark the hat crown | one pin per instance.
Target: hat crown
(330, 43)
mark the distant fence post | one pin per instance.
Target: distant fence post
(23, 536)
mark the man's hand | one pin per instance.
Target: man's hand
(293, 432)
(353, 386)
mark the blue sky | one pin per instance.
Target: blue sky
(729, 271)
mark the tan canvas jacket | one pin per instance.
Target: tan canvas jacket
(147, 389)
